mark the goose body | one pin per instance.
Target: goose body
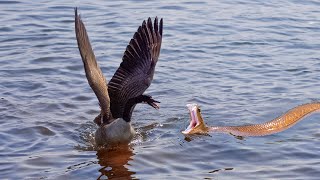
(118, 98)
(115, 133)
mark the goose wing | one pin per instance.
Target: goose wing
(136, 70)
(93, 72)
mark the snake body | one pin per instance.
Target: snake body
(276, 125)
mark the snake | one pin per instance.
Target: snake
(279, 124)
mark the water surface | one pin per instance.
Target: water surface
(244, 62)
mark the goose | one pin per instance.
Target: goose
(119, 97)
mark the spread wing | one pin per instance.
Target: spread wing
(94, 75)
(136, 70)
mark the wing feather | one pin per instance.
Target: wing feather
(136, 70)
(93, 72)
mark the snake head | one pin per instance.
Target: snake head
(197, 125)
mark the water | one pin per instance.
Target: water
(244, 62)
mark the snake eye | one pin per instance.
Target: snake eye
(199, 110)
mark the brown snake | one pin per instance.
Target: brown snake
(281, 123)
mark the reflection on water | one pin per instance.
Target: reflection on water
(113, 162)
(224, 169)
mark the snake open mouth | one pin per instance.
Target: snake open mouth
(194, 120)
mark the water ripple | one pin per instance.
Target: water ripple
(243, 61)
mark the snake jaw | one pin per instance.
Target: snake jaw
(194, 118)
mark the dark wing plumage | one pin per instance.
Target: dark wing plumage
(136, 71)
(94, 75)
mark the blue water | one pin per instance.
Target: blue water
(243, 62)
